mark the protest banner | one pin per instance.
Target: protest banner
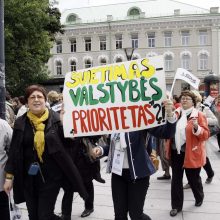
(118, 97)
(188, 77)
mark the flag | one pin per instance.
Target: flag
(188, 77)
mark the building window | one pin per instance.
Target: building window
(73, 65)
(168, 63)
(203, 37)
(59, 67)
(185, 38)
(118, 60)
(185, 62)
(103, 61)
(73, 45)
(59, 46)
(134, 12)
(118, 41)
(134, 40)
(203, 62)
(167, 38)
(151, 54)
(168, 87)
(102, 42)
(88, 63)
(151, 39)
(88, 43)
(71, 18)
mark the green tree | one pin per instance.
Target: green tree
(30, 26)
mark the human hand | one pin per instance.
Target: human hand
(8, 185)
(168, 104)
(195, 123)
(97, 152)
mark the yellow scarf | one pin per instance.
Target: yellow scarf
(39, 126)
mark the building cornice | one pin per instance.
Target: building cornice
(154, 24)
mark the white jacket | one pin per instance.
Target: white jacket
(23, 109)
(211, 118)
(5, 140)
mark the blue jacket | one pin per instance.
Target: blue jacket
(139, 161)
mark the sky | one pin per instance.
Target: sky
(67, 4)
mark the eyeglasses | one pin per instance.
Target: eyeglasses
(186, 99)
(39, 97)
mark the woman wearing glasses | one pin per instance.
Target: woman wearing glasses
(37, 160)
(188, 151)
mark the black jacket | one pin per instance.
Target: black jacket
(56, 144)
(88, 167)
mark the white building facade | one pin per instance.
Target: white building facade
(187, 36)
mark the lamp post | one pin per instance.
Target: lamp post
(2, 62)
(129, 52)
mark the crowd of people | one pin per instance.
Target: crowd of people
(36, 160)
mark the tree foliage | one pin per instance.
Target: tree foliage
(30, 26)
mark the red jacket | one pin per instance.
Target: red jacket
(195, 153)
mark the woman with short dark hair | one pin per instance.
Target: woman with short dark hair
(38, 161)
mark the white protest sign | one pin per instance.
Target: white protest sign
(187, 77)
(118, 97)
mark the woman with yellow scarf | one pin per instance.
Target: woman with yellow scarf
(38, 160)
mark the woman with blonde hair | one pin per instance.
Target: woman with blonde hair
(54, 100)
(53, 97)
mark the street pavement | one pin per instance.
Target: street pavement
(157, 203)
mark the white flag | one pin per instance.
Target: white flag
(188, 77)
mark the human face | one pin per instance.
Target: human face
(186, 102)
(37, 103)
